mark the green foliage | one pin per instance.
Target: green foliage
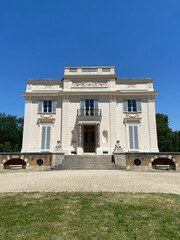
(11, 129)
(168, 141)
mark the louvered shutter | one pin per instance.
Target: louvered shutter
(40, 106)
(138, 104)
(136, 141)
(131, 137)
(43, 137)
(96, 101)
(82, 107)
(54, 103)
(125, 105)
(48, 137)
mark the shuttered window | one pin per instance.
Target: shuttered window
(132, 105)
(133, 137)
(89, 107)
(47, 106)
(45, 137)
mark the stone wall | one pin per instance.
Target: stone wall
(132, 161)
(39, 161)
(143, 161)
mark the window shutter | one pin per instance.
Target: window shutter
(43, 137)
(54, 103)
(40, 106)
(48, 137)
(125, 105)
(82, 107)
(138, 104)
(131, 137)
(136, 142)
(96, 101)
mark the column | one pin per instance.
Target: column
(98, 135)
(80, 135)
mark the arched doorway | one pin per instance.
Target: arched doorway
(163, 163)
(15, 163)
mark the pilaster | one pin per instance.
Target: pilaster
(27, 125)
(65, 124)
(152, 125)
(113, 122)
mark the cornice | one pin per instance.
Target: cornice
(89, 93)
(39, 81)
(89, 76)
(134, 80)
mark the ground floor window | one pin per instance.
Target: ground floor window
(45, 137)
(133, 137)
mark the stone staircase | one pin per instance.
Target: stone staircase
(87, 162)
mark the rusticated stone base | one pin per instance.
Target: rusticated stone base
(131, 161)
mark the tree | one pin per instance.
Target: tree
(11, 130)
(168, 141)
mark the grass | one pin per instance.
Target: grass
(88, 216)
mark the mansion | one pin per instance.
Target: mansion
(89, 111)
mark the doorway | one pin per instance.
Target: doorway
(89, 138)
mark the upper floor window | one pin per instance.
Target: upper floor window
(89, 107)
(132, 105)
(47, 106)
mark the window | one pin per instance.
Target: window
(89, 107)
(133, 137)
(47, 106)
(45, 137)
(132, 105)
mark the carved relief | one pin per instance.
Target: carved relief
(48, 87)
(46, 116)
(29, 86)
(151, 99)
(89, 84)
(150, 85)
(128, 115)
(65, 98)
(131, 86)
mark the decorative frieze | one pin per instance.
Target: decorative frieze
(89, 84)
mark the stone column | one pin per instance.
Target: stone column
(98, 135)
(79, 135)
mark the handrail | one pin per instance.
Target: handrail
(88, 113)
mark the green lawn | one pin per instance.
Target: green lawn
(110, 216)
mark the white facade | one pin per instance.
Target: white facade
(88, 111)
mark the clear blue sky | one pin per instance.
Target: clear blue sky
(140, 37)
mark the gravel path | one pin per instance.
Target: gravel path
(90, 181)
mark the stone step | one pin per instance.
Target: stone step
(87, 162)
(88, 168)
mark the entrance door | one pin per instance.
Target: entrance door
(89, 138)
